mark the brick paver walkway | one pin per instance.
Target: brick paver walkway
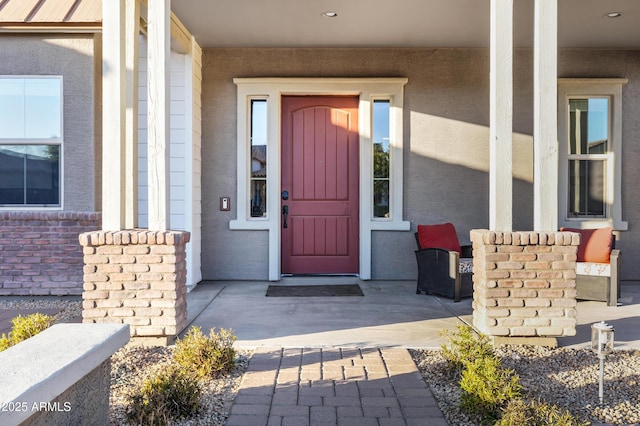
(348, 387)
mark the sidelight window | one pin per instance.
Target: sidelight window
(258, 177)
(381, 158)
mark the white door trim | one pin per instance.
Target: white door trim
(272, 89)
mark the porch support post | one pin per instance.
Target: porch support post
(501, 116)
(545, 116)
(113, 114)
(131, 157)
(159, 38)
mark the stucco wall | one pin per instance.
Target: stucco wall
(446, 156)
(71, 57)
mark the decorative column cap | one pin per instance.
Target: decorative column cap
(133, 237)
(525, 238)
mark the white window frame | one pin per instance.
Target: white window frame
(41, 141)
(272, 89)
(610, 88)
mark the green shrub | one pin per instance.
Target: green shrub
(536, 413)
(465, 346)
(168, 395)
(25, 327)
(490, 392)
(206, 355)
(487, 387)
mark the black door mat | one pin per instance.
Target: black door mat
(314, 290)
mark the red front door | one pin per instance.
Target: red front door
(320, 175)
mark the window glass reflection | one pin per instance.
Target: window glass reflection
(30, 175)
(381, 158)
(258, 176)
(586, 188)
(30, 108)
(589, 125)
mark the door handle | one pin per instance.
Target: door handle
(285, 213)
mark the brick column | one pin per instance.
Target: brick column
(137, 277)
(524, 285)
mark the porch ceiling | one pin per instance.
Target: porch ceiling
(400, 23)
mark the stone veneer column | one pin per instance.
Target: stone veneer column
(524, 285)
(137, 277)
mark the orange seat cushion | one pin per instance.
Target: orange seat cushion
(595, 244)
(441, 236)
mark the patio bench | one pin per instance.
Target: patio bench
(597, 266)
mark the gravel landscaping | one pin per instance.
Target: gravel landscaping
(566, 377)
(130, 366)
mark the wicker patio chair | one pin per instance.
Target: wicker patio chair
(444, 267)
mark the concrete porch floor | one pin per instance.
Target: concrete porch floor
(390, 314)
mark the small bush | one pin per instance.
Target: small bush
(487, 387)
(206, 355)
(24, 328)
(536, 413)
(168, 395)
(464, 347)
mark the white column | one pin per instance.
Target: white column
(545, 116)
(131, 156)
(501, 116)
(158, 36)
(113, 114)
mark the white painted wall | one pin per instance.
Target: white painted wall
(185, 158)
(177, 143)
(193, 109)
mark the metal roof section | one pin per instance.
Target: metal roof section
(23, 13)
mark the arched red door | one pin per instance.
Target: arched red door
(320, 170)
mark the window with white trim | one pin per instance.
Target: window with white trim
(30, 141)
(590, 135)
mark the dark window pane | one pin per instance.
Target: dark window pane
(43, 174)
(30, 175)
(586, 188)
(258, 198)
(381, 198)
(12, 173)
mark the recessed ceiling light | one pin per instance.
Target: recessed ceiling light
(613, 15)
(329, 14)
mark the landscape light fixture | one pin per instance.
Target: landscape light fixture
(602, 345)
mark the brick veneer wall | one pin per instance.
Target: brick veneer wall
(524, 283)
(137, 277)
(39, 251)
